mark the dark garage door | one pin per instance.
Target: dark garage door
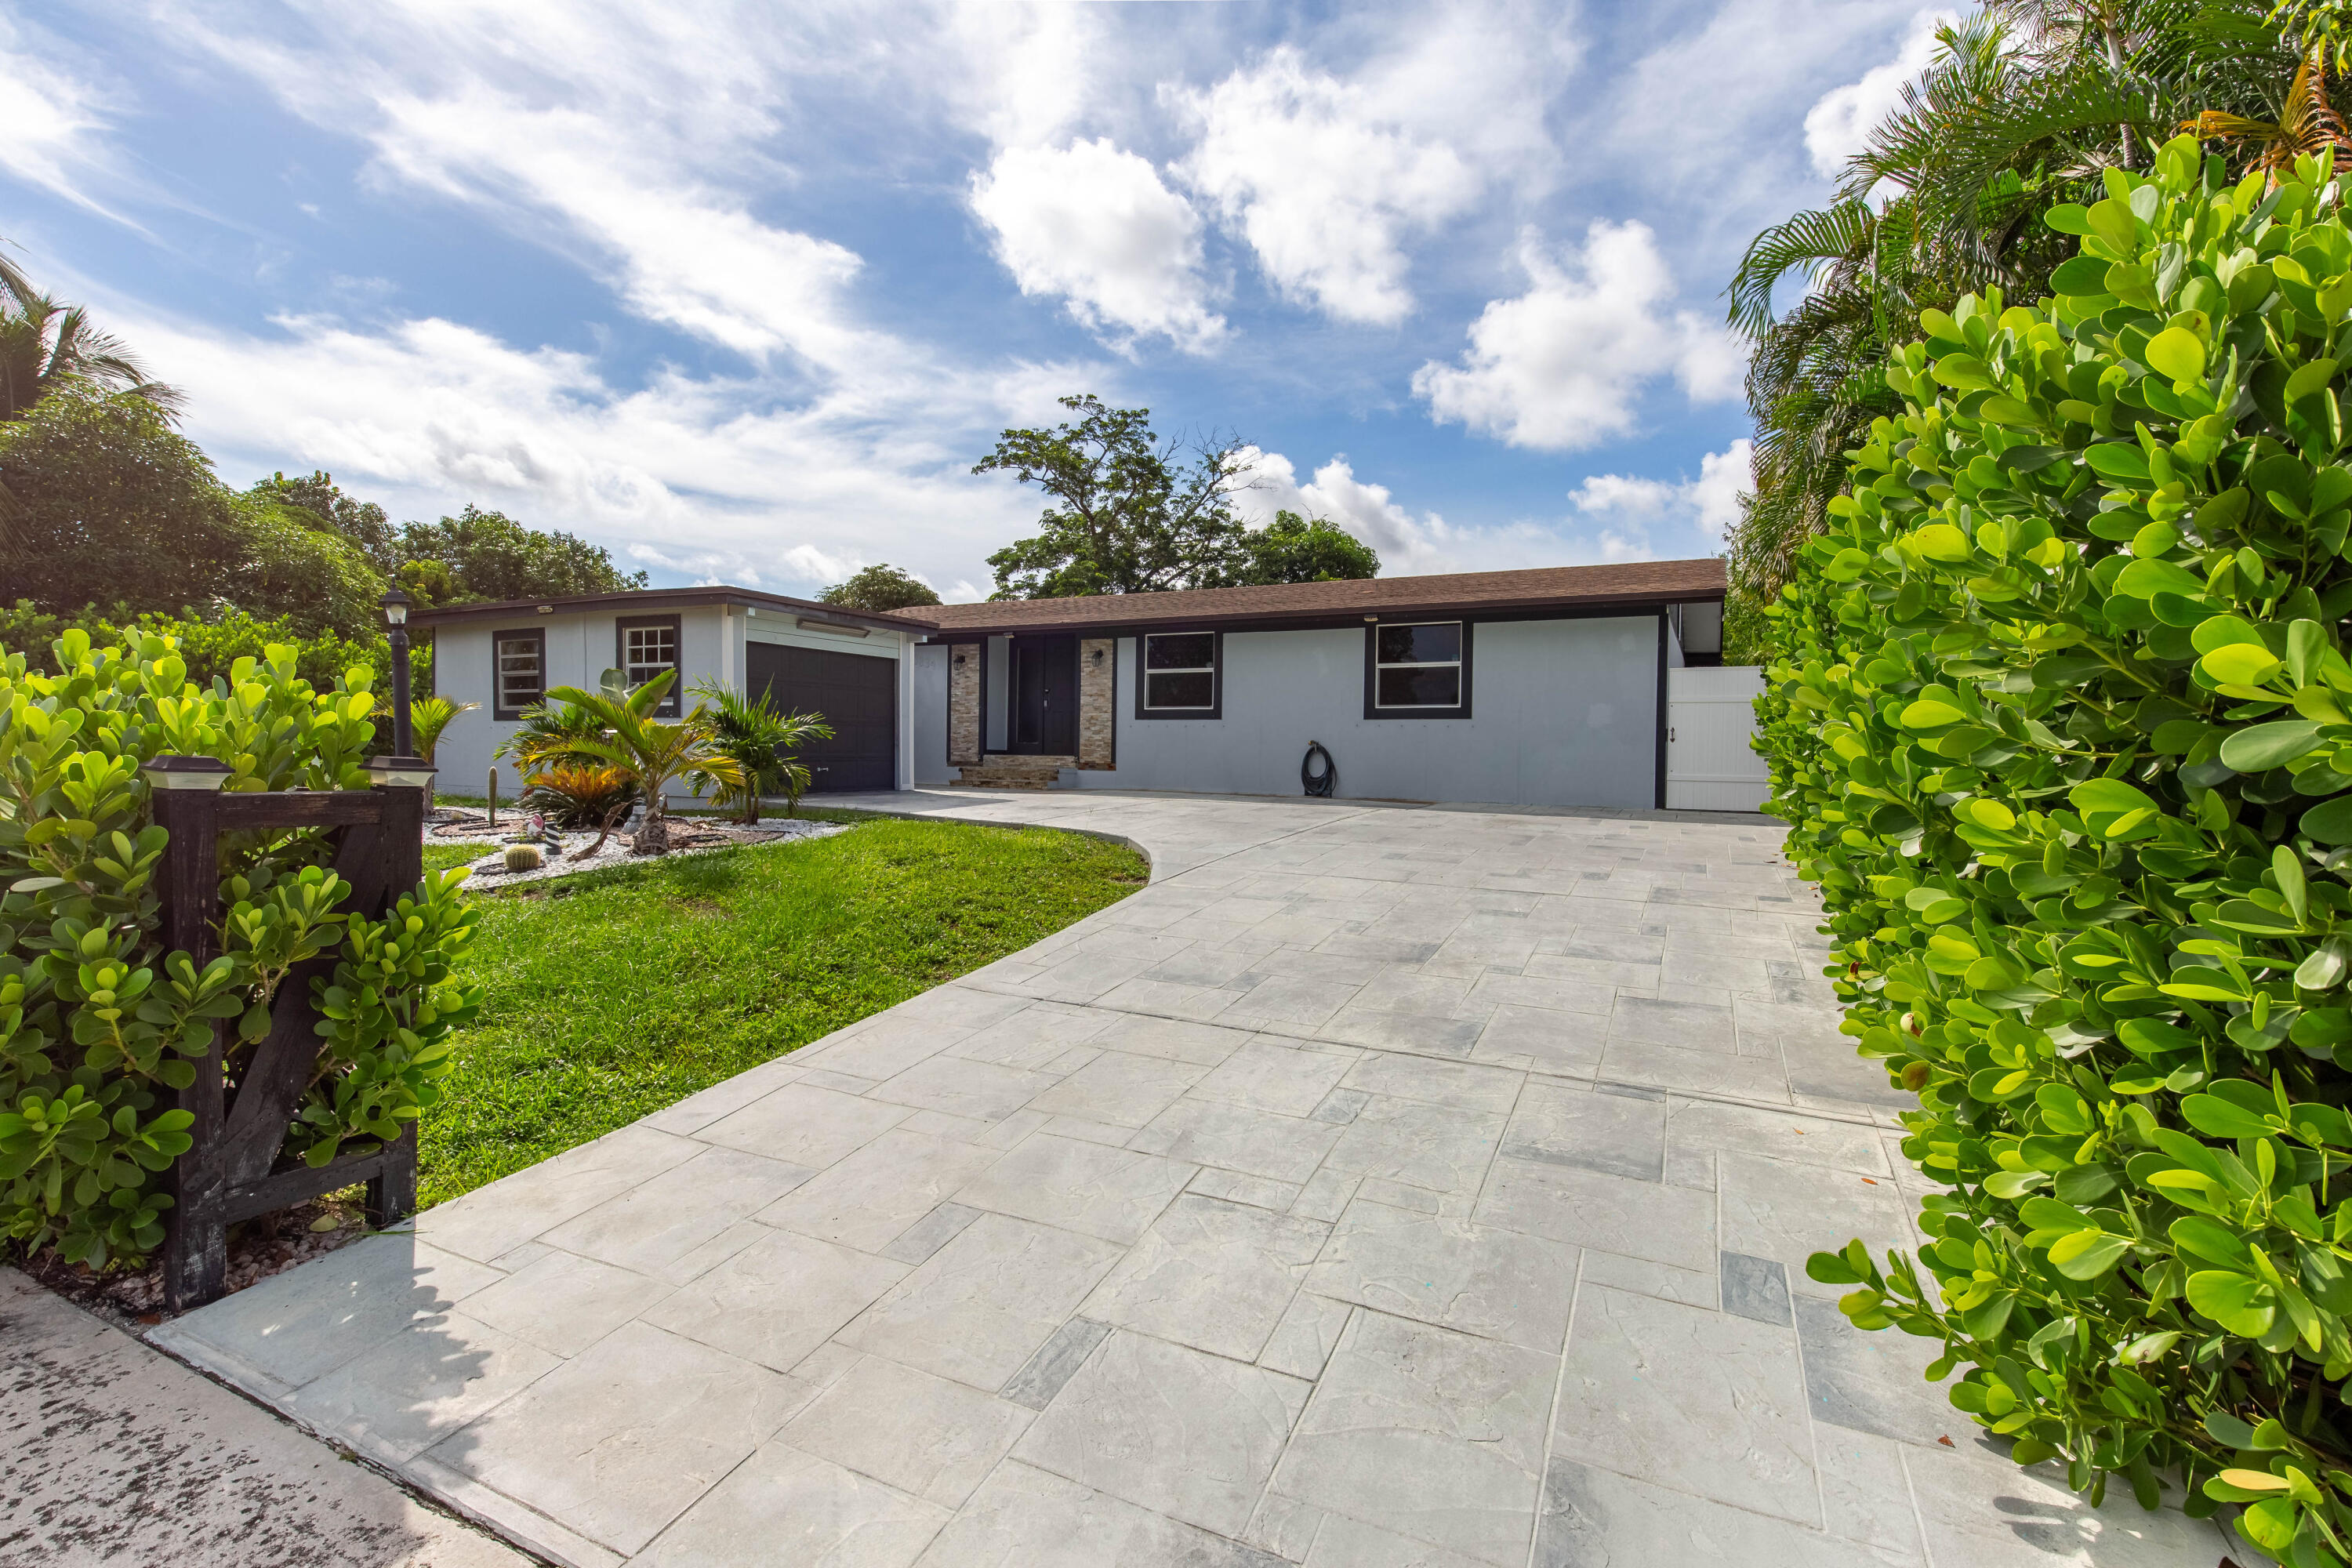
(858, 694)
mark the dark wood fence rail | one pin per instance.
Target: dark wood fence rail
(233, 1171)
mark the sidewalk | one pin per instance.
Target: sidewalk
(111, 1453)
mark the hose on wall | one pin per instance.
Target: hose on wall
(1325, 782)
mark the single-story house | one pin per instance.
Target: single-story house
(1545, 687)
(856, 669)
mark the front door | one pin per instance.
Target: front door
(1045, 691)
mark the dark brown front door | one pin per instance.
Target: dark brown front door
(1045, 692)
(858, 694)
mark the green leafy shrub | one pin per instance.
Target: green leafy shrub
(211, 645)
(2059, 718)
(98, 1023)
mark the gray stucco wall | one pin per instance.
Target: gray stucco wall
(1565, 714)
(580, 647)
(930, 718)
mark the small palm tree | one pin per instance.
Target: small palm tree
(620, 729)
(428, 717)
(760, 741)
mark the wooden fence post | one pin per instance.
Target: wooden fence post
(186, 800)
(230, 1172)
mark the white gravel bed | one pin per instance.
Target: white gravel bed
(489, 871)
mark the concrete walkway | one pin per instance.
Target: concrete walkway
(1380, 1186)
(113, 1454)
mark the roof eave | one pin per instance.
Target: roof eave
(1583, 604)
(663, 598)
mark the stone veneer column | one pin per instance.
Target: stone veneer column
(1099, 704)
(963, 702)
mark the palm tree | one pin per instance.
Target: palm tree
(2022, 108)
(760, 741)
(2307, 123)
(620, 729)
(48, 347)
(428, 717)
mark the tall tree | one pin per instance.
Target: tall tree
(489, 556)
(880, 587)
(1294, 549)
(1129, 518)
(362, 524)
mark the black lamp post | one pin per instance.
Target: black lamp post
(395, 619)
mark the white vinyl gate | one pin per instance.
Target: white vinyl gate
(1709, 717)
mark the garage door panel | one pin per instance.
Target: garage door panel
(858, 696)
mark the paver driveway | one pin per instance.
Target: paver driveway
(1381, 1186)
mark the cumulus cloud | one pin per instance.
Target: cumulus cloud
(1564, 365)
(1407, 545)
(1095, 225)
(1838, 124)
(1323, 188)
(1630, 518)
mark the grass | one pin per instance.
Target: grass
(613, 994)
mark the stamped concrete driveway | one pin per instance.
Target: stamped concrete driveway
(1380, 1186)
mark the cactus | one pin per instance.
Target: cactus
(523, 858)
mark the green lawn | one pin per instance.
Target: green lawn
(615, 993)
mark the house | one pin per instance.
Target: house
(856, 669)
(1546, 687)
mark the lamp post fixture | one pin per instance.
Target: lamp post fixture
(395, 619)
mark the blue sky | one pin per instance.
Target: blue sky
(742, 294)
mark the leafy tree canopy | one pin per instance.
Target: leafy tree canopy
(880, 586)
(489, 556)
(361, 524)
(1293, 548)
(1129, 517)
(110, 506)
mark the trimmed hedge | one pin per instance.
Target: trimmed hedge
(2058, 716)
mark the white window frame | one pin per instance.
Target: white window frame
(1213, 669)
(534, 638)
(1459, 664)
(636, 672)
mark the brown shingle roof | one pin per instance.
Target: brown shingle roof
(1636, 584)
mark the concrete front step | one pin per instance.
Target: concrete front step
(1014, 773)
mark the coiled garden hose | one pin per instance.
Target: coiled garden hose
(1325, 782)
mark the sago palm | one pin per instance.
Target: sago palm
(656, 753)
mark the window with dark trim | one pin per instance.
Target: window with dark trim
(644, 646)
(517, 672)
(1417, 670)
(1180, 675)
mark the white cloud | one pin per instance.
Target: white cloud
(1564, 364)
(52, 121)
(1838, 124)
(1646, 519)
(1323, 186)
(712, 477)
(1095, 225)
(1407, 545)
